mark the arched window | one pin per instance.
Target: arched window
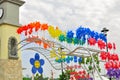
(12, 48)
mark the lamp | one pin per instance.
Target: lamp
(104, 31)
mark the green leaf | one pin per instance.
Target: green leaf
(90, 67)
(83, 60)
(90, 60)
(99, 69)
(97, 62)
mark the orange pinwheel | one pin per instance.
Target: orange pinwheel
(37, 26)
(44, 26)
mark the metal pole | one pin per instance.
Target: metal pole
(105, 32)
(61, 59)
(61, 66)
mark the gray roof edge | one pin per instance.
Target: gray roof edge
(18, 2)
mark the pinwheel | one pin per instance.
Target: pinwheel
(70, 34)
(80, 75)
(101, 44)
(115, 73)
(76, 40)
(108, 65)
(59, 57)
(92, 41)
(115, 57)
(102, 37)
(103, 55)
(62, 38)
(44, 27)
(109, 45)
(37, 26)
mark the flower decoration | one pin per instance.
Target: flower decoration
(114, 73)
(37, 64)
(73, 67)
(104, 55)
(39, 41)
(70, 34)
(82, 42)
(69, 40)
(62, 37)
(75, 59)
(115, 57)
(76, 40)
(101, 44)
(108, 65)
(82, 74)
(57, 56)
(91, 41)
(79, 32)
(96, 36)
(54, 32)
(68, 59)
(109, 45)
(44, 26)
(103, 37)
(28, 29)
(92, 34)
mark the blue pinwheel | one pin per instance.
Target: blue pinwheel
(37, 64)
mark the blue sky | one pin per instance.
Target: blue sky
(69, 14)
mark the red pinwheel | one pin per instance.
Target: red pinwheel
(108, 65)
(31, 25)
(115, 57)
(109, 56)
(73, 73)
(79, 75)
(30, 31)
(25, 28)
(103, 55)
(115, 65)
(109, 45)
(83, 72)
(80, 72)
(101, 44)
(19, 30)
(91, 41)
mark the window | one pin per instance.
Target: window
(12, 47)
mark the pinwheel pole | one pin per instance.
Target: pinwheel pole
(104, 31)
(61, 58)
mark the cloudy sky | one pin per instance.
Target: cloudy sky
(69, 14)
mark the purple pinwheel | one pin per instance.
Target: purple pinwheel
(114, 73)
(110, 72)
(37, 64)
(117, 71)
